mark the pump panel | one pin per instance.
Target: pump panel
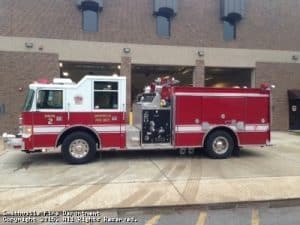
(156, 126)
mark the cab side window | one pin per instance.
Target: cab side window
(106, 95)
(50, 99)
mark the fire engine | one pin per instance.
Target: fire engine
(82, 118)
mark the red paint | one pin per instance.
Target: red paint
(90, 120)
(44, 141)
(254, 138)
(28, 145)
(188, 109)
(188, 139)
(199, 106)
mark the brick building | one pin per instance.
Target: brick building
(204, 43)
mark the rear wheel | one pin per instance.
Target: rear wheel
(219, 145)
(78, 148)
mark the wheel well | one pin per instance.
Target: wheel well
(76, 129)
(226, 129)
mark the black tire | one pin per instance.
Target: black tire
(219, 145)
(86, 148)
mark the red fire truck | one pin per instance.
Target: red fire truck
(82, 118)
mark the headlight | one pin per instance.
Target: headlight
(20, 120)
(26, 131)
(20, 130)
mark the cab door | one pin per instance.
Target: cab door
(109, 111)
(49, 118)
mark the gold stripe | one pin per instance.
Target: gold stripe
(202, 218)
(153, 220)
(255, 217)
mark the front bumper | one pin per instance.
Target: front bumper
(13, 141)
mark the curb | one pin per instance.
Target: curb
(279, 203)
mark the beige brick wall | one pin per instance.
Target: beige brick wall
(267, 24)
(18, 70)
(284, 76)
(199, 73)
(126, 71)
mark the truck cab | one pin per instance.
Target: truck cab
(96, 105)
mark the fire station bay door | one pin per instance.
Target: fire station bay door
(294, 109)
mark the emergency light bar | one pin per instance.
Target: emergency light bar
(62, 81)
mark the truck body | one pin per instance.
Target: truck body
(91, 115)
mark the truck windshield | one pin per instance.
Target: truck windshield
(28, 101)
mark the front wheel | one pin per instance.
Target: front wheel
(78, 148)
(219, 144)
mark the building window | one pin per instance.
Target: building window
(164, 10)
(50, 99)
(229, 31)
(232, 12)
(105, 95)
(90, 20)
(90, 14)
(163, 26)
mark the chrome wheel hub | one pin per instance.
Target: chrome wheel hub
(79, 148)
(220, 145)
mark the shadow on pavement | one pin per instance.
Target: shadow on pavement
(56, 158)
(245, 153)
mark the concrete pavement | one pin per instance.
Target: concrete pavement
(247, 214)
(133, 179)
